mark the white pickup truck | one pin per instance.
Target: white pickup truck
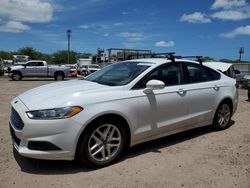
(38, 68)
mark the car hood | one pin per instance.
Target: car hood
(65, 93)
(16, 67)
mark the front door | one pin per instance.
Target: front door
(163, 110)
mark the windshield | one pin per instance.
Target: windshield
(118, 74)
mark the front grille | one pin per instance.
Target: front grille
(16, 120)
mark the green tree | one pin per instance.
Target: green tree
(207, 58)
(6, 55)
(61, 57)
(32, 53)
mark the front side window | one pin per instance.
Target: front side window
(170, 74)
(118, 74)
(199, 73)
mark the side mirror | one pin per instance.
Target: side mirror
(153, 85)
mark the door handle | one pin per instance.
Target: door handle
(181, 91)
(216, 87)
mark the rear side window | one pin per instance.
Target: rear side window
(39, 63)
(198, 73)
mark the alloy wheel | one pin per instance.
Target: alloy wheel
(223, 116)
(104, 143)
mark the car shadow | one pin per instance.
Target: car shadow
(155, 146)
(36, 166)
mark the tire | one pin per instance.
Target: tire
(248, 94)
(222, 116)
(1, 72)
(102, 143)
(59, 76)
(16, 76)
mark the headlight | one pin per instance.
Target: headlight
(55, 113)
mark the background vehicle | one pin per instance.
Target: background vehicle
(1, 67)
(20, 59)
(88, 69)
(38, 68)
(81, 62)
(121, 105)
(72, 69)
(245, 81)
(225, 68)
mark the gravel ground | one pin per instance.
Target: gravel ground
(197, 158)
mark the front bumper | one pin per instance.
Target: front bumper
(60, 134)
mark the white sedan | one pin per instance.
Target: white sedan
(119, 106)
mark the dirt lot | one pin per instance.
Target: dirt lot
(197, 158)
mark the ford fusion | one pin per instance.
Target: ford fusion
(119, 106)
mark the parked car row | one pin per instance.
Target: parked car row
(39, 68)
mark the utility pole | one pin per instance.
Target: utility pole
(68, 35)
(241, 51)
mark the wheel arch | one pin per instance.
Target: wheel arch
(103, 117)
(229, 101)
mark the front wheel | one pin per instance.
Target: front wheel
(222, 116)
(102, 144)
(16, 76)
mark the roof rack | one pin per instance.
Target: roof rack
(169, 55)
(197, 58)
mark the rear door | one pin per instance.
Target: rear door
(41, 69)
(202, 89)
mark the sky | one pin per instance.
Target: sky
(215, 28)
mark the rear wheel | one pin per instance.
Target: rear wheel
(16, 76)
(102, 144)
(222, 116)
(59, 76)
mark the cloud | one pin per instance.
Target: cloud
(14, 27)
(165, 44)
(84, 26)
(196, 17)
(228, 4)
(128, 34)
(131, 36)
(124, 13)
(232, 15)
(118, 24)
(106, 34)
(14, 13)
(243, 30)
(33, 11)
